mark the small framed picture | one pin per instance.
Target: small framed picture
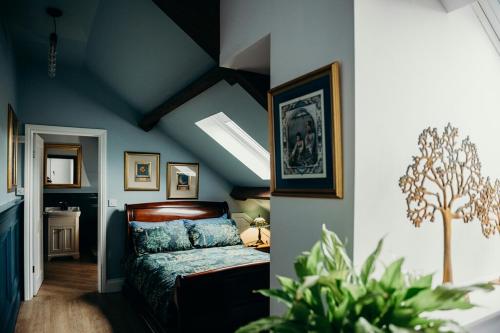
(182, 180)
(142, 171)
(306, 139)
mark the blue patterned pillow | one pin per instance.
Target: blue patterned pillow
(147, 225)
(213, 232)
(169, 237)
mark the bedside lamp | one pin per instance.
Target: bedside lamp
(259, 222)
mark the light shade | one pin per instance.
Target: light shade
(251, 235)
(259, 221)
(237, 142)
(52, 57)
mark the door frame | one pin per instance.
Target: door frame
(29, 250)
(37, 201)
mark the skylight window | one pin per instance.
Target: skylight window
(488, 12)
(237, 142)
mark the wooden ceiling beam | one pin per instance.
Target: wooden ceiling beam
(256, 85)
(199, 19)
(244, 193)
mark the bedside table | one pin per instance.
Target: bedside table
(264, 248)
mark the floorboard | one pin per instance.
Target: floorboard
(68, 302)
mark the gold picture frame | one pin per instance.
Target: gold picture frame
(183, 180)
(141, 171)
(318, 91)
(12, 148)
(74, 152)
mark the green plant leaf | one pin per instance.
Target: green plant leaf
(279, 295)
(392, 277)
(424, 281)
(315, 260)
(369, 264)
(432, 325)
(301, 266)
(363, 326)
(440, 298)
(261, 325)
(416, 286)
(445, 298)
(288, 285)
(300, 312)
(335, 255)
(309, 281)
(329, 296)
(396, 329)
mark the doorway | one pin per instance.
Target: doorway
(53, 233)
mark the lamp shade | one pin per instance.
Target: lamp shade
(251, 235)
(259, 221)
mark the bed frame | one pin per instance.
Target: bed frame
(218, 300)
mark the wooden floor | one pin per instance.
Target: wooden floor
(68, 302)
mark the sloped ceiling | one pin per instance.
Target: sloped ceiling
(140, 52)
(136, 50)
(30, 27)
(235, 102)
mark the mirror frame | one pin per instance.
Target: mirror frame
(78, 167)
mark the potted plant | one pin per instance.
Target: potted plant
(331, 296)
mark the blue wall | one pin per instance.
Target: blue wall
(10, 210)
(10, 263)
(7, 95)
(76, 98)
(238, 105)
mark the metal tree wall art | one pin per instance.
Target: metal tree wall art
(445, 179)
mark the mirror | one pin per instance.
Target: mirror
(63, 164)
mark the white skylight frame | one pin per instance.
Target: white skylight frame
(238, 143)
(488, 12)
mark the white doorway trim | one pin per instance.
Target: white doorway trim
(29, 250)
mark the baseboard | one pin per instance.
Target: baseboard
(114, 285)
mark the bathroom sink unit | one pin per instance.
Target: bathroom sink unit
(58, 210)
(63, 232)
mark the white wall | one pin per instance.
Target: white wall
(242, 23)
(417, 66)
(304, 36)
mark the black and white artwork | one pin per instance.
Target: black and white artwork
(302, 125)
(306, 140)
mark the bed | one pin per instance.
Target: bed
(195, 290)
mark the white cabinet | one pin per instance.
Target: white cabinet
(63, 233)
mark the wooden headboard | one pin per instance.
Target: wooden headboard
(173, 210)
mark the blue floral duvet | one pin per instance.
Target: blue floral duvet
(154, 275)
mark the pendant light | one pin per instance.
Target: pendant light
(54, 13)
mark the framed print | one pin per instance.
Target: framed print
(182, 180)
(12, 141)
(142, 171)
(305, 134)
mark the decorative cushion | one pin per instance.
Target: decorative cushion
(213, 232)
(172, 236)
(147, 225)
